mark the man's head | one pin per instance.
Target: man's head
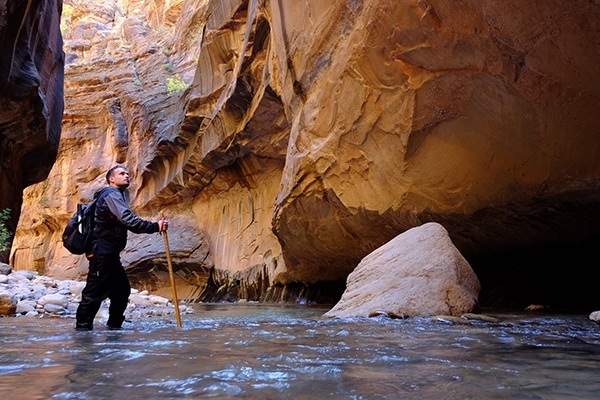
(118, 176)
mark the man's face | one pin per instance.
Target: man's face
(119, 178)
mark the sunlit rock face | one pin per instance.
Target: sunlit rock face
(297, 137)
(415, 111)
(31, 96)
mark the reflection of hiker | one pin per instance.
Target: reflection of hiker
(106, 277)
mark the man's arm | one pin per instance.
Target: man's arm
(120, 209)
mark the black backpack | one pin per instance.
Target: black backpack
(77, 236)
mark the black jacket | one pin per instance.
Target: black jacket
(113, 219)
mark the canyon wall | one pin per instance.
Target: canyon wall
(291, 139)
(31, 97)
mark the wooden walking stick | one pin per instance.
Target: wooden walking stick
(171, 276)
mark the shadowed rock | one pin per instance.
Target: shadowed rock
(31, 96)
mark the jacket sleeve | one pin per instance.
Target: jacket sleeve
(120, 209)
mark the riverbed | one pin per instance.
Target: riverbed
(259, 351)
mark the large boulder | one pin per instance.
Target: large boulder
(418, 273)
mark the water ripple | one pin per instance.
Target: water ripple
(252, 351)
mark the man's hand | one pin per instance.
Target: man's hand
(163, 225)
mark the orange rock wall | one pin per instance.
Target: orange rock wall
(297, 137)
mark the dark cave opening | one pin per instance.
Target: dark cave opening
(557, 278)
(560, 277)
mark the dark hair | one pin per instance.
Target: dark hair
(112, 169)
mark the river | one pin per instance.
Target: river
(258, 351)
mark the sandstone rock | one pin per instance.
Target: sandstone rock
(23, 307)
(22, 275)
(595, 316)
(140, 300)
(47, 282)
(419, 273)
(5, 269)
(302, 137)
(37, 290)
(32, 313)
(145, 259)
(450, 320)
(158, 300)
(53, 308)
(7, 305)
(76, 288)
(31, 96)
(386, 314)
(479, 317)
(56, 299)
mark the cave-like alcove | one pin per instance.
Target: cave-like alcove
(562, 277)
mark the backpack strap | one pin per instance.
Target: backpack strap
(99, 196)
(102, 192)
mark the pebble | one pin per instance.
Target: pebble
(28, 294)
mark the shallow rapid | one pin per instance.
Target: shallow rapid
(262, 351)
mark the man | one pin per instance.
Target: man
(106, 277)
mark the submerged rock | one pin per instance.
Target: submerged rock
(419, 273)
(450, 319)
(479, 317)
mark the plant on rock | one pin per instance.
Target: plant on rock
(176, 84)
(4, 232)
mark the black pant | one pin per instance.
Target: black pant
(106, 279)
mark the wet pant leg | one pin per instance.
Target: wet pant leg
(106, 279)
(119, 297)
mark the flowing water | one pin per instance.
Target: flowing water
(262, 351)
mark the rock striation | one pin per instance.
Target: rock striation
(298, 137)
(418, 273)
(31, 97)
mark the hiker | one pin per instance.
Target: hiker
(106, 277)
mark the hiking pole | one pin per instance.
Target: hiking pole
(171, 276)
